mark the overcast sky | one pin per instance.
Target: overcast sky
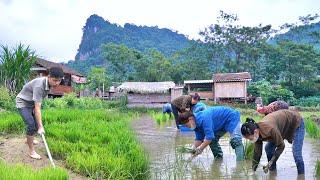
(54, 27)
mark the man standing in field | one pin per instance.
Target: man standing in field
(28, 102)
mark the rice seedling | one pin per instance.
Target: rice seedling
(312, 128)
(317, 169)
(96, 143)
(248, 149)
(19, 172)
(160, 117)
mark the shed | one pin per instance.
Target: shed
(149, 94)
(231, 85)
(42, 69)
(203, 87)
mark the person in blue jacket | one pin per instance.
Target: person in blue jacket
(199, 107)
(167, 109)
(210, 125)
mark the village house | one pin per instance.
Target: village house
(150, 94)
(71, 77)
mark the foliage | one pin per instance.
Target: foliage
(95, 143)
(20, 172)
(291, 62)
(98, 78)
(270, 93)
(312, 128)
(71, 101)
(6, 100)
(312, 101)
(97, 31)
(15, 66)
(317, 168)
(248, 150)
(160, 117)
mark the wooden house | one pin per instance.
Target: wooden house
(42, 67)
(203, 87)
(223, 86)
(231, 86)
(150, 94)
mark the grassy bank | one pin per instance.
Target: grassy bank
(96, 143)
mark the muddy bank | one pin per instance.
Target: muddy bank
(13, 150)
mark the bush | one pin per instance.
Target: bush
(6, 101)
(270, 93)
(313, 101)
(71, 101)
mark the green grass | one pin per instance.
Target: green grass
(20, 172)
(317, 170)
(96, 143)
(312, 128)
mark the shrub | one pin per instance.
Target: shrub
(6, 101)
(312, 101)
(269, 92)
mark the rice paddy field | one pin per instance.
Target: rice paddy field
(104, 142)
(98, 144)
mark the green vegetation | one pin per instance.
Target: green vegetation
(18, 172)
(248, 150)
(95, 143)
(312, 128)
(318, 169)
(312, 101)
(160, 117)
(71, 101)
(15, 66)
(6, 100)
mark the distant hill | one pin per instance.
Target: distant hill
(305, 34)
(98, 31)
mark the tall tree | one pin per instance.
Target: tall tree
(237, 45)
(15, 66)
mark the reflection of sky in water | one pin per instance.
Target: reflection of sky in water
(162, 143)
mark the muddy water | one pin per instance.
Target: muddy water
(167, 162)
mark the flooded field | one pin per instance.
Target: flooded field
(162, 142)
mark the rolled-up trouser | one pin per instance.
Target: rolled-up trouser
(27, 114)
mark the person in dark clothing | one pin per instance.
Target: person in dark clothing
(182, 104)
(275, 128)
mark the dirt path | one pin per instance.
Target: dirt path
(13, 150)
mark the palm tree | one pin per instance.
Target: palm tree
(15, 66)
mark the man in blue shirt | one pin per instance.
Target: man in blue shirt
(210, 125)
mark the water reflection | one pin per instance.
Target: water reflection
(163, 141)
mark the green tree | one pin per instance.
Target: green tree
(98, 78)
(120, 59)
(238, 46)
(15, 66)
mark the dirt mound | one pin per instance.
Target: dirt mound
(14, 150)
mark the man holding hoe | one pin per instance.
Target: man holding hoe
(28, 102)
